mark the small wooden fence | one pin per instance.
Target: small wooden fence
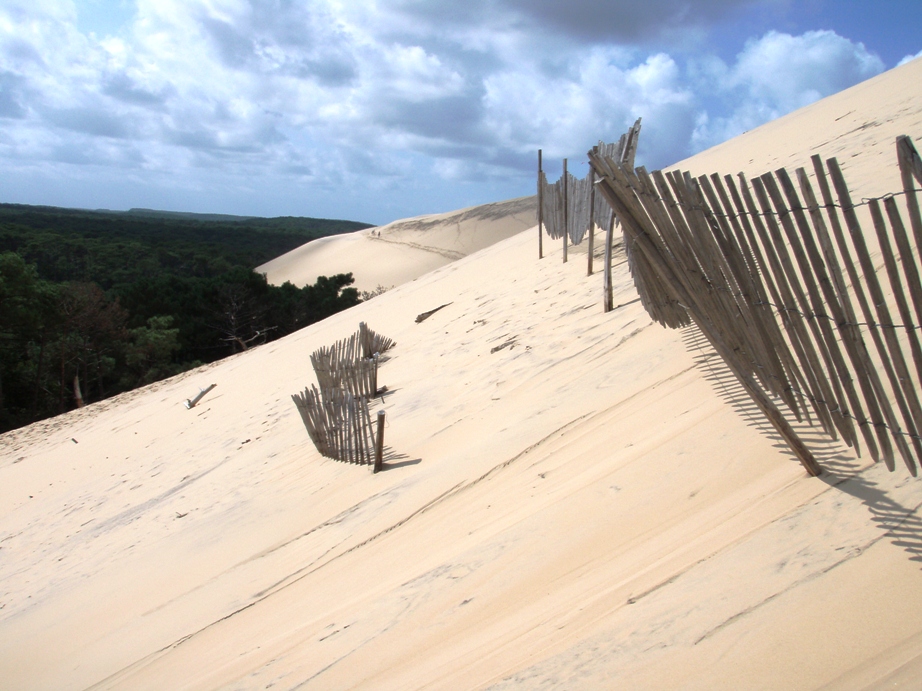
(339, 424)
(770, 272)
(352, 363)
(336, 415)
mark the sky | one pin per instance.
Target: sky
(374, 110)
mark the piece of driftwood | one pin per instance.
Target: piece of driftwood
(190, 403)
(425, 315)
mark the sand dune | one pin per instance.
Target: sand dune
(403, 250)
(571, 500)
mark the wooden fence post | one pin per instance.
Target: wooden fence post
(565, 217)
(379, 443)
(607, 301)
(591, 218)
(540, 208)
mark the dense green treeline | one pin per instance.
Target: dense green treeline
(113, 248)
(96, 303)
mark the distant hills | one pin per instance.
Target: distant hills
(303, 226)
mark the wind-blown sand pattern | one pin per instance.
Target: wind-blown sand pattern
(403, 250)
(570, 499)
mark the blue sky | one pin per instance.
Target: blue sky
(374, 110)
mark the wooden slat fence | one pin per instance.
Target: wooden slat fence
(372, 343)
(567, 205)
(336, 414)
(351, 364)
(338, 423)
(774, 272)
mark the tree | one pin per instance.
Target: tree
(93, 335)
(27, 317)
(150, 351)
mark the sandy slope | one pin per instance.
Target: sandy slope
(571, 500)
(403, 250)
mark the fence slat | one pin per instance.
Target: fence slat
(770, 278)
(844, 315)
(815, 277)
(643, 237)
(895, 359)
(336, 415)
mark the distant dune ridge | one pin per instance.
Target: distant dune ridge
(403, 250)
(594, 504)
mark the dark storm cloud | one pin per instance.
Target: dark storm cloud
(10, 96)
(452, 118)
(622, 20)
(589, 20)
(122, 88)
(91, 120)
(281, 37)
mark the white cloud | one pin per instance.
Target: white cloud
(599, 97)
(777, 74)
(246, 100)
(909, 58)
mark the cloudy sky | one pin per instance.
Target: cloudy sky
(374, 110)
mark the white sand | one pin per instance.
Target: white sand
(596, 505)
(391, 255)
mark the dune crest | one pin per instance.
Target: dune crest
(398, 252)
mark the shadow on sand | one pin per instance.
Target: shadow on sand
(841, 468)
(392, 460)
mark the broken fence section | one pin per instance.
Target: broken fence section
(351, 364)
(776, 272)
(570, 207)
(338, 423)
(336, 414)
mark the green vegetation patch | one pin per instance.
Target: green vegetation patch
(93, 303)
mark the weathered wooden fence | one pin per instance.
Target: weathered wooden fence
(569, 208)
(372, 343)
(336, 415)
(338, 423)
(770, 271)
(351, 364)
